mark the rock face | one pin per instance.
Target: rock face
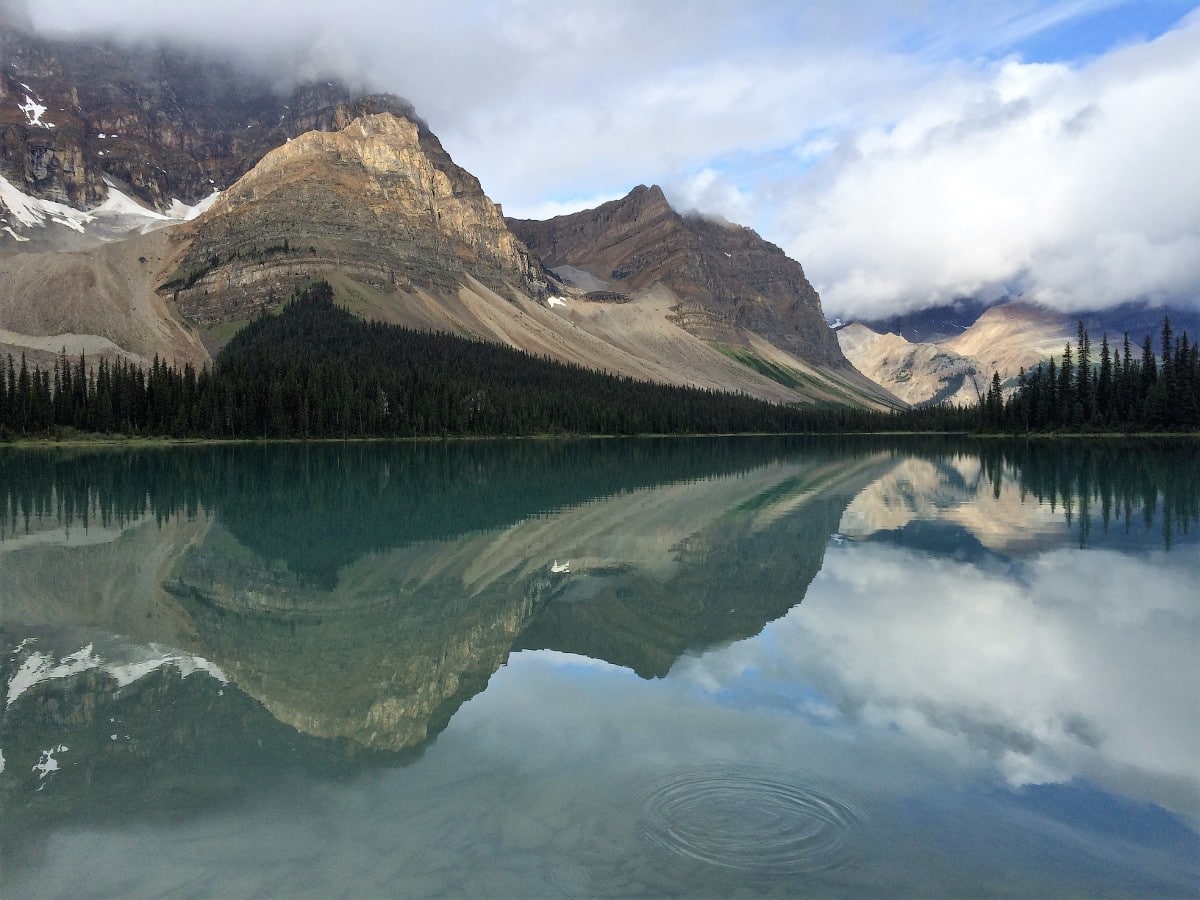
(918, 373)
(380, 199)
(727, 279)
(1004, 339)
(162, 122)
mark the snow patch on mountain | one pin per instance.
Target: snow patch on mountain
(180, 211)
(33, 112)
(31, 212)
(48, 764)
(117, 217)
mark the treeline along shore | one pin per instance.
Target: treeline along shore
(316, 371)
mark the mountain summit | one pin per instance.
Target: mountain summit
(728, 279)
(729, 287)
(380, 201)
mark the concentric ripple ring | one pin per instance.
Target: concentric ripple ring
(750, 819)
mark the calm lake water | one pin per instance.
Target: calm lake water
(843, 667)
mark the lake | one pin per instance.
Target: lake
(700, 667)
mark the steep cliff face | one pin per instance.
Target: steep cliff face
(162, 122)
(379, 200)
(727, 279)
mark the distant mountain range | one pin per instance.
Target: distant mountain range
(948, 353)
(153, 202)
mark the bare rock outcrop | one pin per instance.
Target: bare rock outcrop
(727, 278)
(379, 201)
(163, 122)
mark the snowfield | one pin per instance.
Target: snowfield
(119, 215)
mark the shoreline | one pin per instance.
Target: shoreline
(122, 441)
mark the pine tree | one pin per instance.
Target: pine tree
(1083, 377)
(1104, 384)
(1066, 388)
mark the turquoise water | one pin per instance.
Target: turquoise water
(601, 668)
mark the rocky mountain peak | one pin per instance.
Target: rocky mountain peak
(383, 144)
(728, 281)
(161, 122)
(645, 201)
(204, 195)
(379, 199)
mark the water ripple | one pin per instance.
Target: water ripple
(749, 819)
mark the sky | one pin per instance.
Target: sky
(906, 153)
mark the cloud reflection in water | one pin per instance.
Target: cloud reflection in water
(1006, 672)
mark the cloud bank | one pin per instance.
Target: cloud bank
(1070, 186)
(904, 154)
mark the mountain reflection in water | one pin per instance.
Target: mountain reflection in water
(991, 633)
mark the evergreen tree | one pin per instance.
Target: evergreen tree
(1104, 385)
(1083, 376)
(1066, 387)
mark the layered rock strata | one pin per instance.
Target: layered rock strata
(380, 201)
(727, 279)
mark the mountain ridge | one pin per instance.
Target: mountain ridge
(162, 122)
(321, 183)
(723, 284)
(633, 242)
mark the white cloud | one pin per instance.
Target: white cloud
(1072, 186)
(706, 191)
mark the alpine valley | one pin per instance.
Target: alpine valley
(153, 202)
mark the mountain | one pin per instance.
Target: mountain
(193, 196)
(379, 201)
(714, 280)
(1013, 336)
(100, 145)
(163, 122)
(958, 369)
(949, 353)
(915, 372)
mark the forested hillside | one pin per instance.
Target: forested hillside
(316, 371)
